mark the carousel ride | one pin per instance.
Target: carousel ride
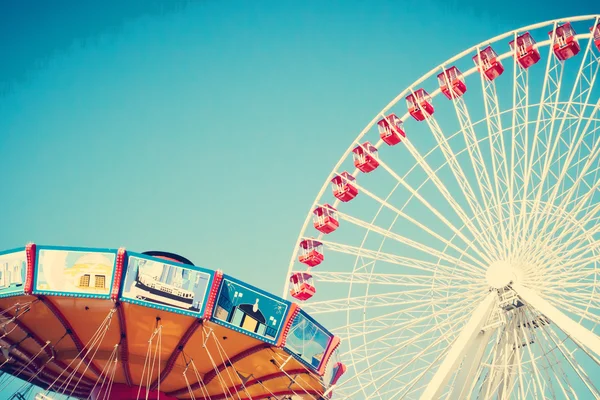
(112, 324)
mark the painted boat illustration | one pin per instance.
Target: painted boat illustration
(150, 288)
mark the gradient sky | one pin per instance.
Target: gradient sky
(206, 128)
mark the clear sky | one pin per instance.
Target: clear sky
(206, 128)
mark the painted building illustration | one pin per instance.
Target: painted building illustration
(74, 271)
(249, 310)
(91, 273)
(12, 271)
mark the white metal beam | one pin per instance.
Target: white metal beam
(459, 347)
(577, 332)
(465, 379)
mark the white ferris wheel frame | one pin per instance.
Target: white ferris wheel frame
(472, 339)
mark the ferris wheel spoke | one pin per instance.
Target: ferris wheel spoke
(549, 94)
(522, 388)
(527, 341)
(404, 297)
(581, 88)
(590, 163)
(400, 367)
(571, 328)
(412, 319)
(552, 246)
(576, 257)
(491, 202)
(520, 140)
(419, 246)
(404, 240)
(459, 346)
(414, 335)
(459, 174)
(558, 287)
(497, 150)
(465, 379)
(581, 311)
(575, 366)
(414, 193)
(383, 356)
(583, 200)
(555, 258)
(551, 364)
(405, 391)
(499, 377)
(548, 217)
(481, 236)
(413, 263)
(375, 278)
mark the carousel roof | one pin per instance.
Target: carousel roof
(129, 322)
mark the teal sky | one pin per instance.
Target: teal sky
(206, 128)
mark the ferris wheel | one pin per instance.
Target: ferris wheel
(455, 245)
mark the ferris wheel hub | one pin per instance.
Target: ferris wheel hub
(500, 274)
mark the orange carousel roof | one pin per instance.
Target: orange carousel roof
(108, 323)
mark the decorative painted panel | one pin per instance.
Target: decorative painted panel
(78, 272)
(166, 285)
(13, 272)
(249, 310)
(309, 342)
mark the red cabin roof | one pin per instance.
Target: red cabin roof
(310, 244)
(324, 209)
(366, 147)
(342, 178)
(564, 31)
(391, 119)
(299, 277)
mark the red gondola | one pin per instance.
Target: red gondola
(338, 370)
(488, 64)
(596, 34)
(390, 130)
(343, 186)
(311, 252)
(565, 44)
(365, 157)
(419, 104)
(325, 219)
(302, 286)
(525, 52)
(452, 83)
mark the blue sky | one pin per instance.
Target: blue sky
(206, 128)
